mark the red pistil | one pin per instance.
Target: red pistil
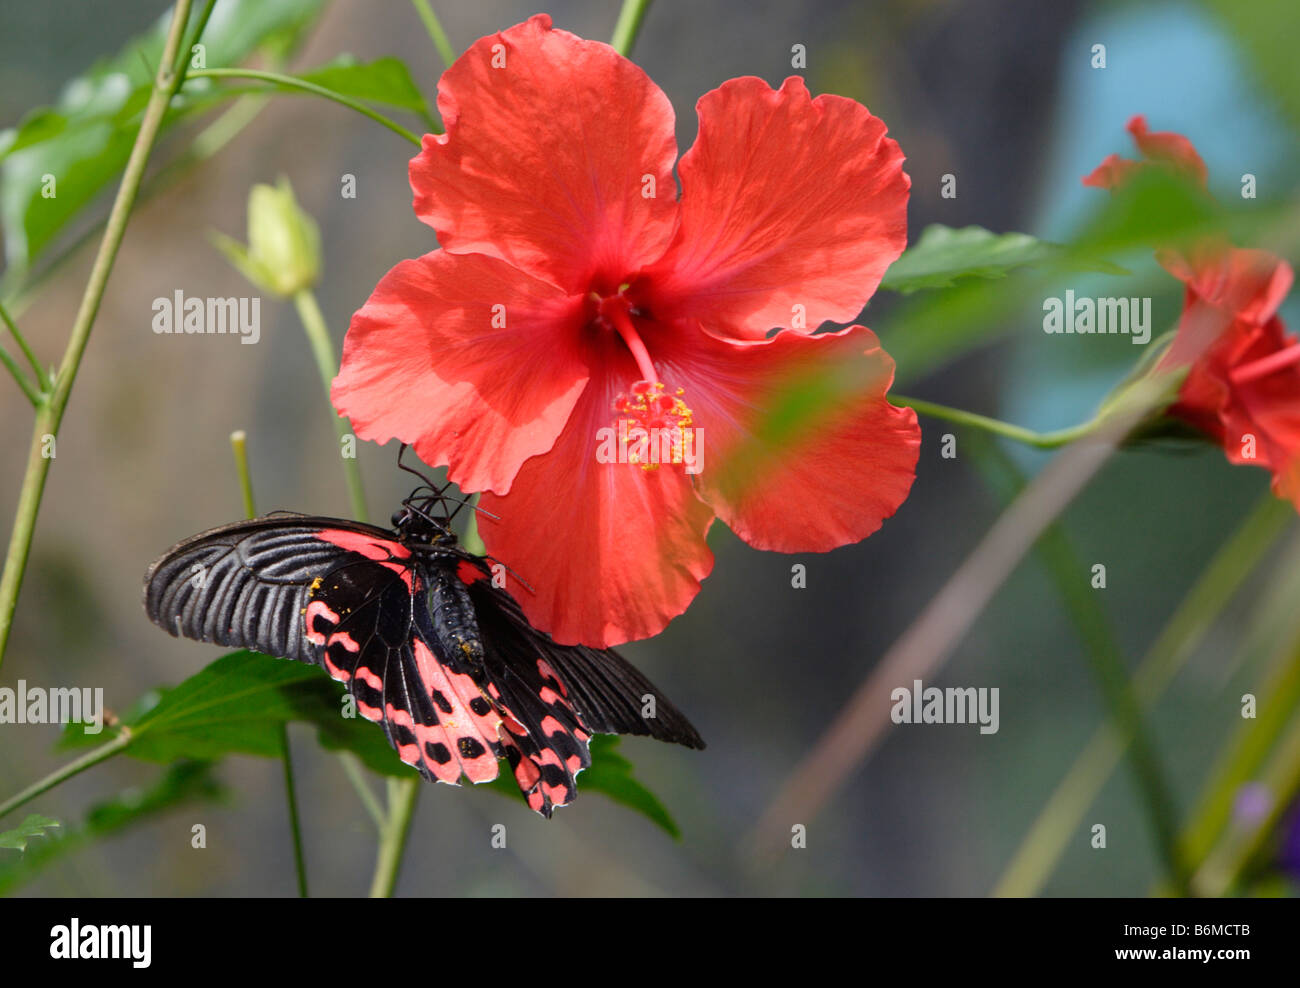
(1256, 369)
(645, 405)
(616, 310)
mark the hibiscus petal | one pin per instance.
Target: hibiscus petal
(1111, 173)
(1161, 147)
(787, 202)
(1286, 482)
(1231, 292)
(472, 362)
(551, 144)
(1266, 409)
(785, 475)
(612, 552)
(1250, 284)
(1168, 147)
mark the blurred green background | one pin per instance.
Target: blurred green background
(1000, 94)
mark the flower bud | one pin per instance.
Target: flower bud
(283, 252)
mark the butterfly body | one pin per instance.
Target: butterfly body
(426, 642)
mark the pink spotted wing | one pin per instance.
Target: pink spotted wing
(429, 648)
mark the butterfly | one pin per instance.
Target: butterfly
(423, 634)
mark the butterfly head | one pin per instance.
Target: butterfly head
(425, 521)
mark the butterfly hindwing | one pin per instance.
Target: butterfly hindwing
(609, 694)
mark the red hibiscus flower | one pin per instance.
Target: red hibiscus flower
(1243, 369)
(1243, 383)
(577, 302)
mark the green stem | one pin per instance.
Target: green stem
(1038, 854)
(28, 388)
(473, 541)
(1209, 837)
(49, 414)
(352, 769)
(42, 379)
(392, 840)
(88, 760)
(239, 446)
(292, 82)
(313, 323)
(393, 826)
(238, 442)
(299, 861)
(199, 26)
(1222, 871)
(439, 36)
(1041, 440)
(628, 25)
(1107, 665)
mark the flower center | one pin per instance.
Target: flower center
(657, 424)
(1256, 369)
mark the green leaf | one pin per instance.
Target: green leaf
(34, 826)
(611, 774)
(185, 781)
(1154, 207)
(84, 140)
(239, 704)
(182, 784)
(944, 254)
(385, 80)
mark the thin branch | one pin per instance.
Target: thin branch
(42, 379)
(50, 415)
(76, 767)
(239, 446)
(434, 27)
(392, 838)
(1041, 440)
(295, 825)
(28, 388)
(352, 769)
(327, 363)
(292, 82)
(629, 25)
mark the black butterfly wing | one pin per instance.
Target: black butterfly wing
(246, 584)
(446, 662)
(609, 695)
(349, 598)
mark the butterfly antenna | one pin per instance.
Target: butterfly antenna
(440, 494)
(467, 503)
(522, 582)
(411, 470)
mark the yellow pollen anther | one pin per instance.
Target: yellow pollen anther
(658, 425)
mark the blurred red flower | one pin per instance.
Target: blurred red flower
(1243, 379)
(1162, 148)
(1243, 382)
(577, 299)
